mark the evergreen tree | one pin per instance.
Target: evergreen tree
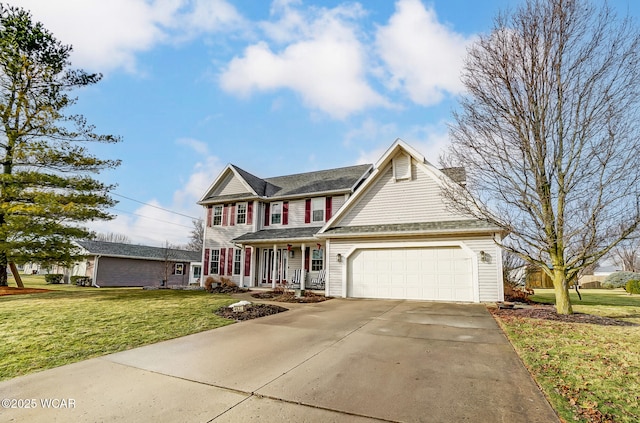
(47, 189)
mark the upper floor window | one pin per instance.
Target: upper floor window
(276, 213)
(317, 207)
(241, 213)
(217, 215)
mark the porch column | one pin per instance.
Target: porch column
(273, 266)
(303, 272)
(242, 260)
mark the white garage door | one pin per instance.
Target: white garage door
(441, 274)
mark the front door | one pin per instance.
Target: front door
(268, 267)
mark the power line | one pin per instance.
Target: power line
(154, 206)
(153, 218)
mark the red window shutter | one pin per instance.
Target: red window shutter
(232, 221)
(247, 261)
(306, 259)
(327, 209)
(206, 260)
(250, 213)
(209, 213)
(267, 215)
(307, 211)
(224, 215)
(285, 213)
(221, 263)
(230, 262)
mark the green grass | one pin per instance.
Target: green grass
(70, 324)
(590, 373)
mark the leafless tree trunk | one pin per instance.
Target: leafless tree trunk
(548, 134)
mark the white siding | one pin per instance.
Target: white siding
(489, 278)
(389, 201)
(230, 185)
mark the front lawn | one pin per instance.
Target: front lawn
(590, 373)
(70, 324)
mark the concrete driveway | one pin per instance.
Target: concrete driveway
(337, 361)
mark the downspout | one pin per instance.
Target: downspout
(95, 272)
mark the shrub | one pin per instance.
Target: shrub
(208, 283)
(633, 286)
(53, 278)
(619, 279)
(80, 280)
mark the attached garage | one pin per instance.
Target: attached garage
(417, 273)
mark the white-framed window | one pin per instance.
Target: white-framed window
(214, 262)
(316, 260)
(276, 213)
(241, 213)
(237, 257)
(217, 216)
(178, 269)
(317, 209)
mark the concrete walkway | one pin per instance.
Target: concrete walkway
(337, 361)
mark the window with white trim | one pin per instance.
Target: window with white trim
(217, 216)
(317, 209)
(214, 263)
(316, 260)
(276, 213)
(241, 213)
(178, 269)
(237, 257)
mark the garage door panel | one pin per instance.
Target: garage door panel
(442, 274)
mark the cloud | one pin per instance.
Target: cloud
(107, 35)
(429, 140)
(322, 60)
(423, 57)
(148, 224)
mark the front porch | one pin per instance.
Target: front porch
(292, 258)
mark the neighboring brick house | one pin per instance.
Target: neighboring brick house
(368, 231)
(114, 264)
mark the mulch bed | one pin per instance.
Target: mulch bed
(226, 289)
(290, 297)
(12, 290)
(546, 312)
(251, 311)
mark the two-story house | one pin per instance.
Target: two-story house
(370, 231)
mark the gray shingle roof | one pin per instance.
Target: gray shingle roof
(256, 183)
(279, 234)
(341, 179)
(457, 174)
(331, 180)
(115, 249)
(424, 227)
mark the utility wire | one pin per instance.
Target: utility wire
(156, 207)
(153, 218)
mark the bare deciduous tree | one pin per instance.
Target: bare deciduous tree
(627, 255)
(548, 134)
(113, 237)
(196, 240)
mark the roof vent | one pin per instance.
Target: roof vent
(402, 167)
